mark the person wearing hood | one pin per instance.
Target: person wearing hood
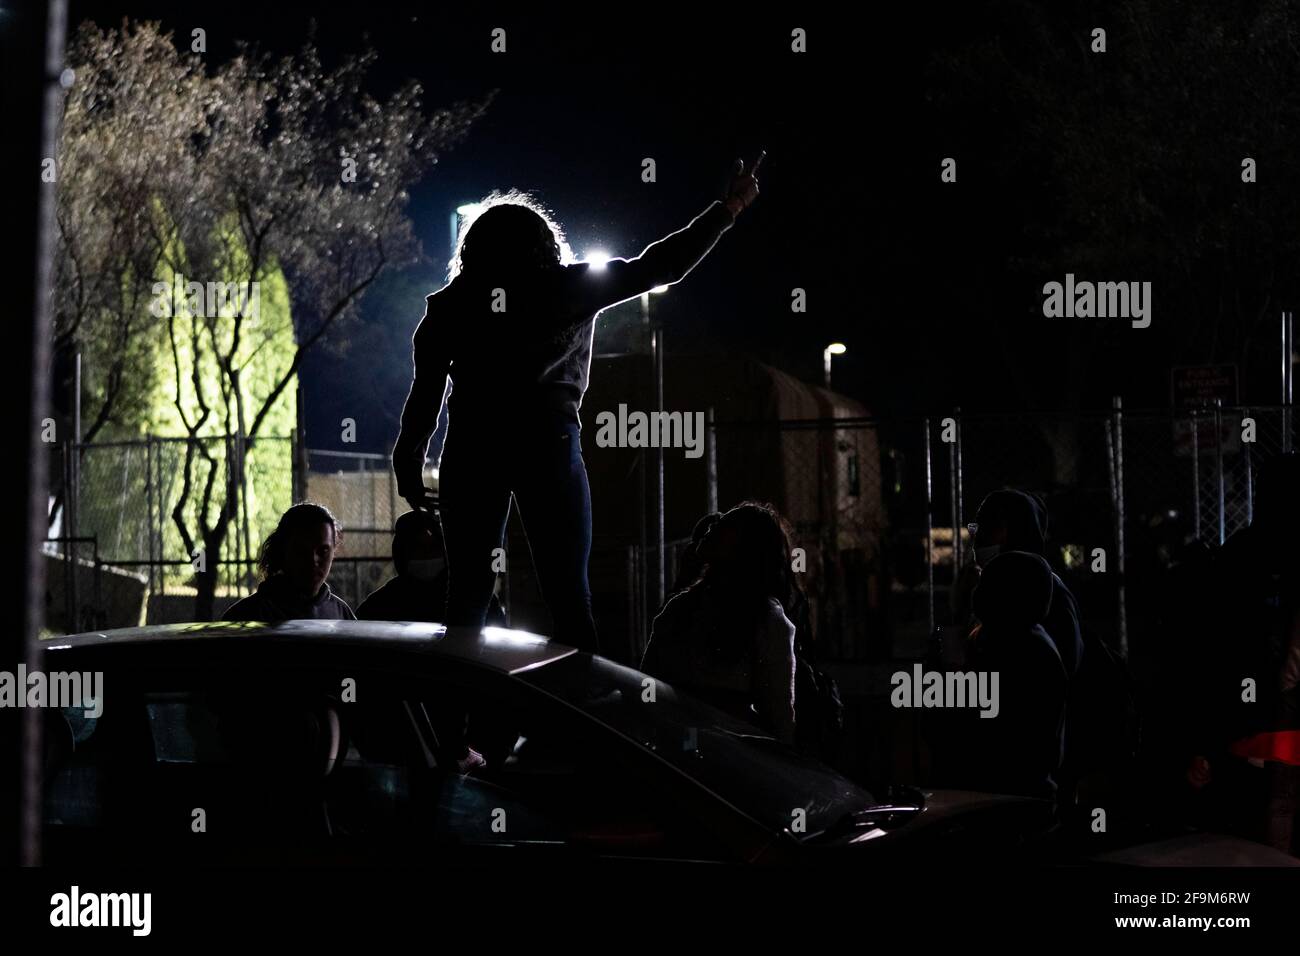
(1011, 520)
(1102, 718)
(419, 590)
(294, 563)
(1019, 748)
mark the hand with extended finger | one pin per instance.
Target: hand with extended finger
(742, 190)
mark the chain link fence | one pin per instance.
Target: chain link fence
(145, 509)
(360, 491)
(873, 506)
(881, 507)
(826, 479)
(154, 509)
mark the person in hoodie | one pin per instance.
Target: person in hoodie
(1018, 751)
(1011, 520)
(418, 592)
(513, 330)
(294, 564)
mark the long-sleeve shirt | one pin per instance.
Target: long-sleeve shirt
(276, 600)
(517, 346)
(694, 646)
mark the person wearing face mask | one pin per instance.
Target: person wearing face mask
(419, 590)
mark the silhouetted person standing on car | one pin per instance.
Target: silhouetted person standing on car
(513, 329)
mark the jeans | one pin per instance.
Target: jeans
(541, 463)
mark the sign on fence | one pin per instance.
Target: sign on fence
(1195, 388)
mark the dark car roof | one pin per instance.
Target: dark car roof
(500, 649)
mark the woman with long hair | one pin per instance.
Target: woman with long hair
(513, 330)
(728, 638)
(294, 564)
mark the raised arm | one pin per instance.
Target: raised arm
(671, 258)
(420, 413)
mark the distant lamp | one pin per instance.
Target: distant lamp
(835, 348)
(597, 260)
(469, 210)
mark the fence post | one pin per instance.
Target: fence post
(1218, 461)
(65, 532)
(633, 627)
(952, 502)
(100, 613)
(1250, 477)
(74, 495)
(959, 521)
(294, 477)
(1196, 474)
(1288, 348)
(711, 460)
(657, 346)
(74, 528)
(929, 528)
(1117, 479)
(148, 522)
(162, 526)
(370, 494)
(242, 569)
(643, 531)
(392, 495)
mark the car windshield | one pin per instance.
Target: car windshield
(775, 784)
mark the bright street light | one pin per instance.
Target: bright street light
(835, 348)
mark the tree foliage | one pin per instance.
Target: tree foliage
(274, 173)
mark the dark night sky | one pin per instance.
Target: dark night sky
(911, 273)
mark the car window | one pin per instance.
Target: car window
(775, 784)
(551, 776)
(223, 762)
(73, 769)
(258, 767)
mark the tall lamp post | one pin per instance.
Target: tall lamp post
(835, 348)
(657, 355)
